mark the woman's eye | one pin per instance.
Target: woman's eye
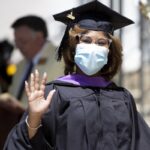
(102, 42)
(85, 40)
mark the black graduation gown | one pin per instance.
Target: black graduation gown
(85, 118)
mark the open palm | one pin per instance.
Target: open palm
(37, 104)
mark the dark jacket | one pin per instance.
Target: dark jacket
(85, 118)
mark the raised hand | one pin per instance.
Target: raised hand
(37, 104)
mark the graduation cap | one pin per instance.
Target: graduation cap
(92, 16)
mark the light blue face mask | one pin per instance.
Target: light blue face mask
(91, 58)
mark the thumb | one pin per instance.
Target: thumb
(50, 95)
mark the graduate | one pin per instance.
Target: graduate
(84, 109)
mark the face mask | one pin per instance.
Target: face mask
(91, 58)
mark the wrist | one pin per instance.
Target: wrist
(33, 123)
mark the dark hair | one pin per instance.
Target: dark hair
(114, 57)
(34, 22)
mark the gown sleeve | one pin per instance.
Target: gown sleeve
(140, 129)
(143, 138)
(18, 138)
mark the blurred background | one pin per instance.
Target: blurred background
(135, 72)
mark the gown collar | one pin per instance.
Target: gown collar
(84, 80)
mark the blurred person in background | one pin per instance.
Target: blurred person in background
(30, 34)
(85, 109)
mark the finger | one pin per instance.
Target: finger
(32, 83)
(36, 79)
(43, 82)
(27, 89)
(44, 78)
(42, 88)
(50, 95)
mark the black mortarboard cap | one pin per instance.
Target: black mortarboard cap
(93, 16)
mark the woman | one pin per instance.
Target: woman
(83, 110)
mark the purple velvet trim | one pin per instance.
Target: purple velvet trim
(84, 80)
